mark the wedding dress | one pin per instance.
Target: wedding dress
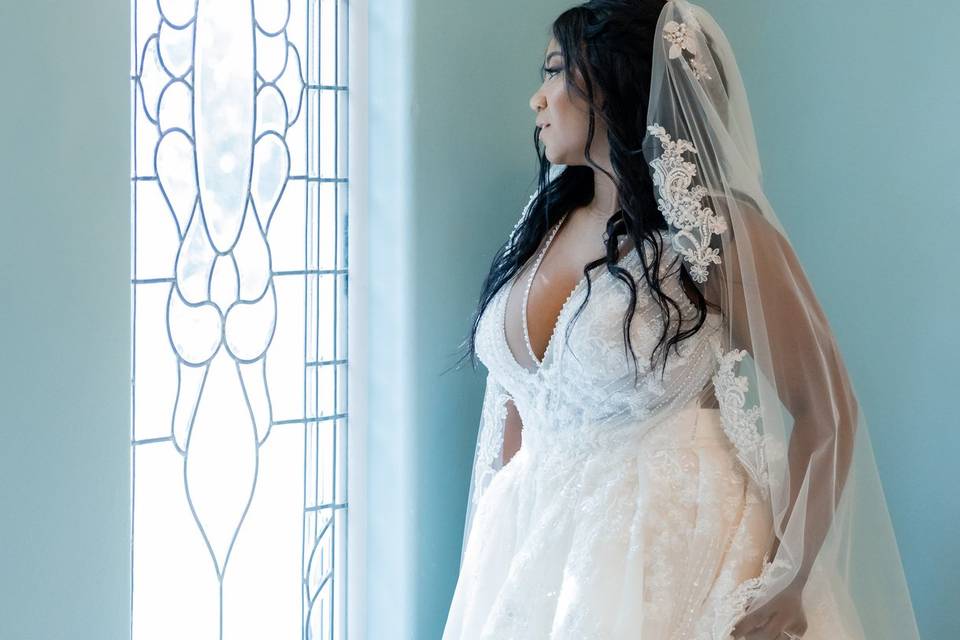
(671, 502)
(613, 520)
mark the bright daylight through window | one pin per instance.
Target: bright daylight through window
(239, 299)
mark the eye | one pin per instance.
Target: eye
(550, 72)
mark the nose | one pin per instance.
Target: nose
(536, 102)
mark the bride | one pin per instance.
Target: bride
(670, 446)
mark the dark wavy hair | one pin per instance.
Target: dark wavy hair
(609, 44)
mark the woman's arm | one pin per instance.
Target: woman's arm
(800, 354)
(512, 432)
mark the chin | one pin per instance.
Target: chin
(551, 156)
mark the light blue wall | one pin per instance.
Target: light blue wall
(64, 320)
(857, 135)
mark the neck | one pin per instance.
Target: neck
(605, 201)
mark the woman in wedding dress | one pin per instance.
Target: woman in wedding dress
(670, 446)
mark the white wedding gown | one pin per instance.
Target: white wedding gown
(626, 512)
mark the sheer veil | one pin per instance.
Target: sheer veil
(785, 397)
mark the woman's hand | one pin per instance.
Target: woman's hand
(782, 618)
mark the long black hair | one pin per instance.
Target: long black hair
(609, 45)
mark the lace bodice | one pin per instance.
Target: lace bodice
(589, 380)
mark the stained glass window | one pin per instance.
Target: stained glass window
(239, 299)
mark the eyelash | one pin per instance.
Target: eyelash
(550, 71)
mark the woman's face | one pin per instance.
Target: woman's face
(562, 117)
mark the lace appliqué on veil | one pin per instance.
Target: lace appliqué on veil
(740, 424)
(734, 605)
(681, 204)
(678, 34)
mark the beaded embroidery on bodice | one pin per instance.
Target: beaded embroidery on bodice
(589, 379)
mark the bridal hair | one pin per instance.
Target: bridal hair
(609, 46)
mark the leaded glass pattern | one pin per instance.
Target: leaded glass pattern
(239, 301)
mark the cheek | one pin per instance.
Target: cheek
(559, 102)
(563, 116)
(568, 126)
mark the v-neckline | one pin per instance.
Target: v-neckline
(545, 360)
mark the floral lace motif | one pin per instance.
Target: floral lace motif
(680, 37)
(739, 423)
(681, 205)
(734, 604)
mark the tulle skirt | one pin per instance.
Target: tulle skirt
(656, 536)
